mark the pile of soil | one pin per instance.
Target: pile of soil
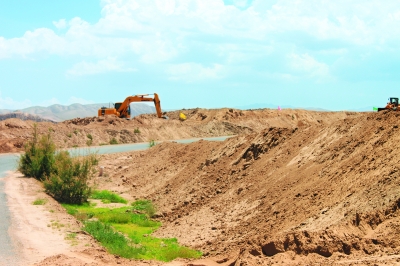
(292, 188)
(94, 131)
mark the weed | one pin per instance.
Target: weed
(69, 135)
(89, 142)
(76, 132)
(107, 197)
(146, 206)
(89, 136)
(70, 236)
(152, 143)
(75, 146)
(115, 242)
(40, 202)
(136, 131)
(113, 141)
(102, 144)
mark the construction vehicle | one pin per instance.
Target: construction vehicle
(393, 104)
(123, 109)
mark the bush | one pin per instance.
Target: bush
(38, 160)
(152, 143)
(113, 141)
(136, 130)
(89, 136)
(69, 181)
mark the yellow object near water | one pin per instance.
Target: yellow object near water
(182, 116)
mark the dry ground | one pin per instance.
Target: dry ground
(293, 187)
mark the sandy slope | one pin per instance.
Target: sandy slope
(293, 188)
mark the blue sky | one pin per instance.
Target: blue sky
(334, 55)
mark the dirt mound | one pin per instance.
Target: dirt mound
(94, 131)
(328, 189)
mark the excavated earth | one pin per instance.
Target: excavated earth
(290, 187)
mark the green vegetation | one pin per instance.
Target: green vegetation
(113, 141)
(76, 132)
(39, 158)
(65, 178)
(107, 197)
(40, 202)
(136, 131)
(69, 135)
(69, 182)
(145, 206)
(152, 143)
(89, 136)
(127, 233)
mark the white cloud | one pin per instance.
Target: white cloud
(167, 31)
(11, 104)
(191, 72)
(61, 24)
(101, 66)
(307, 65)
(74, 99)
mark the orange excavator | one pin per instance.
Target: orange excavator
(393, 104)
(123, 109)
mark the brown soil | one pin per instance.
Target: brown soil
(292, 188)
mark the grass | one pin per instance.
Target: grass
(107, 197)
(136, 131)
(40, 202)
(127, 233)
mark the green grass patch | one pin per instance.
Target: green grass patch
(40, 202)
(127, 232)
(107, 197)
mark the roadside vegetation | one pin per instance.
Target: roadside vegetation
(124, 231)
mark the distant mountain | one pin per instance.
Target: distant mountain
(60, 113)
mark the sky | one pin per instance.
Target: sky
(335, 55)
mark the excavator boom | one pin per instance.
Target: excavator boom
(122, 109)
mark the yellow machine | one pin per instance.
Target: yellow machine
(123, 110)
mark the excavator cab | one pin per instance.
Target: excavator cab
(394, 101)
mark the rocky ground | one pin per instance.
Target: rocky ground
(293, 187)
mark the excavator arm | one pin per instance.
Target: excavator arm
(123, 109)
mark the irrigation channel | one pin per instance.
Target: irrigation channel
(9, 162)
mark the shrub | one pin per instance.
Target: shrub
(89, 136)
(146, 206)
(38, 159)
(137, 131)
(69, 181)
(152, 143)
(113, 141)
